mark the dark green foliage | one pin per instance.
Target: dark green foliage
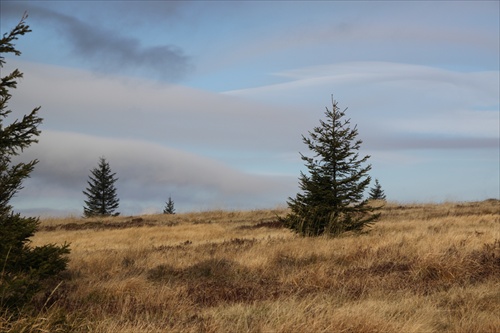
(169, 208)
(376, 192)
(101, 193)
(332, 201)
(24, 269)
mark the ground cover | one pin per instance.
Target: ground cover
(421, 268)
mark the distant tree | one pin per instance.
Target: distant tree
(25, 269)
(376, 192)
(169, 208)
(332, 201)
(101, 191)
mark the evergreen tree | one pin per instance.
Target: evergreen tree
(25, 269)
(169, 208)
(101, 191)
(332, 199)
(376, 192)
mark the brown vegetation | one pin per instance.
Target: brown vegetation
(422, 268)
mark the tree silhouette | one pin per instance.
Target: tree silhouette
(376, 192)
(332, 201)
(25, 269)
(169, 208)
(101, 191)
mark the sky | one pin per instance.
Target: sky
(206, 102)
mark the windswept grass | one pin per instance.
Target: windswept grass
(421, 268)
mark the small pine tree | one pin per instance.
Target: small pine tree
(169, 208)
(332, 199)
(25, 269)
(101, 191)
(376, 192)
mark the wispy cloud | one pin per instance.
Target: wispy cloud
(148, 173)
(400, 105)
(178, 116)
(109, 51)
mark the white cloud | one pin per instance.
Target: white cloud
(174, 115)
(393, 99)
(148, 173)
(193, 145)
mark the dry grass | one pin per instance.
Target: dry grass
(422, 268)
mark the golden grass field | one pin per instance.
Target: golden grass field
(421, 268)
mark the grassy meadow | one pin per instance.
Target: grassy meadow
(421, 268)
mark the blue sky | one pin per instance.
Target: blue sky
(206, 101)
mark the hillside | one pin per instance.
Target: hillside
(421, 268)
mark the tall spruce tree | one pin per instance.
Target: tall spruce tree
(332, 201)
(25, 269)
(101, 191)
(376, 192)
